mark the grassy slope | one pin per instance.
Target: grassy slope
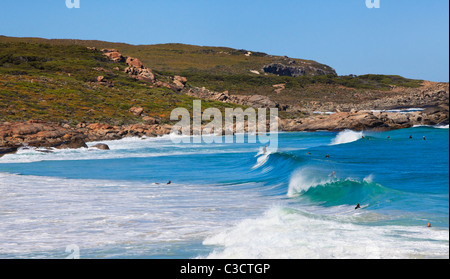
(178, 58)
(216, 68)
(58, 83)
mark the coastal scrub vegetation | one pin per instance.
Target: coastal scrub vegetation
(59, 83)
(57, 80)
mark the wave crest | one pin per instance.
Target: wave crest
(331, 191)
(347, 136)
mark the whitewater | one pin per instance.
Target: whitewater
(232, 200)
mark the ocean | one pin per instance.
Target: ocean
(232, 201)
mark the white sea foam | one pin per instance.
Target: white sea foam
(441, 126)
(347, 136)
(288, 234)
(433, 126)
(262, 157)
(305, 178)
(407, 110)
(369, 179)
(124, 148)
(41, 216)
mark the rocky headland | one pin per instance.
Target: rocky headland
(431, 100)
(430, 104)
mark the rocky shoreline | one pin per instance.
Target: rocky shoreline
(41, 134)
(369, 120)
(432, 97)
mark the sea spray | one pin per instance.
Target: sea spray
(305, 178)
(288, 233)
(347, 136)
(313, 185)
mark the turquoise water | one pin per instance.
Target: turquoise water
(232, 200)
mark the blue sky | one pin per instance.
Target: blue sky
(408, 38)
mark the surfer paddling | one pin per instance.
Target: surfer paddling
(265, 149)
(358, 206)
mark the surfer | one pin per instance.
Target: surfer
(410, 137)
(424, 138)
(170, 182)
(429, 225)
(328, 156)
(357, 206)
(333, 174)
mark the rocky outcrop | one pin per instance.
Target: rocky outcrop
(8, 150)
(368, 120)
(137, 111)
(39, 134)
(430, 94)
(257, 101)
(296, 70)
(74, 143)
(135, 63)
(113, 54)
(50, 135)
(179, 82)
(136, 69)
(101, 146)
(279, 87)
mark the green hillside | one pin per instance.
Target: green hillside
(59, 83)
(56, 80)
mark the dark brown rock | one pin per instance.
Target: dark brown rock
(7, 150)
(72, 144)
(101, 146)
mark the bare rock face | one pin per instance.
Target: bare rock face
(140, 72)
(137, 111)
(279, 87)
(113, 55)
(101, 146)
(100, 78)
(135, 67)
(296, 70)
(134, 63)
(73, 144)
(256, 101)
(367, 120)
(150, 120)
(260, 101)
(179, 81)
(39, 134)
(7, 150)
(50, 135)
(145, 74)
